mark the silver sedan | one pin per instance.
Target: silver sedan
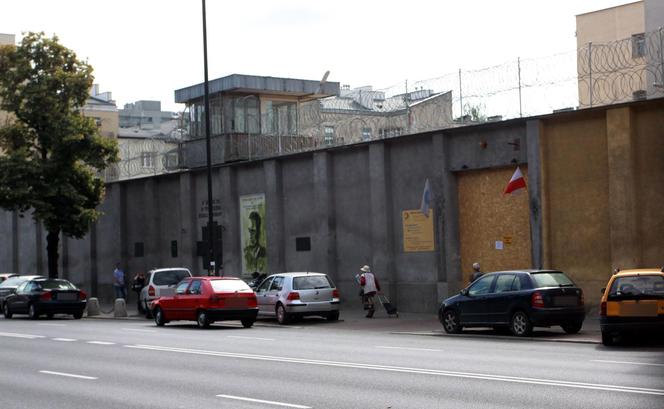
(289, 295)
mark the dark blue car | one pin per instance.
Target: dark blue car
(47, 296)
(518, 300)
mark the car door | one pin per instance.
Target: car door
(473, 308)
(499, 301)
(191, 299)
(173, 305)
(273, 293)
(261, 297)
(18, 302)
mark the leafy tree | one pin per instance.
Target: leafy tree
(50, 154)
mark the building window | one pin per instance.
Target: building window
(389, 132)
(638, 45)
(329, 135)
(138, 249)
(366, 134)
(147, 159)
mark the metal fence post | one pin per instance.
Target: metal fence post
(460, 97)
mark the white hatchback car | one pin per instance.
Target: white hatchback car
(161, 282)
(289, 295)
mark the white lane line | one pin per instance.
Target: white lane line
(64, 339)
(268, 402)
(52, 325)
(138, 330)
(626, 363)
(401, 369)
(409, 349)
(69, 375)
(13, 335)
(241, 337)
(101, 343)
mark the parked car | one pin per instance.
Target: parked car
(160, 282)
(289, 295)
(206, 300)
(9, 286)
(5, 276)
(632, 303)
(45, 296)
(519, 300)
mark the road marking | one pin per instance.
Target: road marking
(64, 339)
(241, 337)
(269, 402)
(52, 325)
(101, 343)
(139, 330)
(69, 375)
(409, 349)
(401, 369)
(625, 362)
(13, 335)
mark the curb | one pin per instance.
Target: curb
(504, 337)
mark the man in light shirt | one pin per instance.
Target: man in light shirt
(370, 287)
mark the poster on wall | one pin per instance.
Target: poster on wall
(252, 234)
(417, 231)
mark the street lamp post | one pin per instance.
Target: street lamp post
(211, 268)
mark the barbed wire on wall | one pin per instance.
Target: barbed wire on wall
(595, 74)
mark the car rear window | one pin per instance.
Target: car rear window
(552, 279)
(229, 285)
(311, 282)
(56, 285)
(169, 277)
(13, 281)
(642, 286)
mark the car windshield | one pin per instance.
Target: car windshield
(56, 285)
(311, 282)
(552, 279)
(640, 286)
(170, 277)
(13, 281)
(229, 285)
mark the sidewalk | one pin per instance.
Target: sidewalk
(412, 324)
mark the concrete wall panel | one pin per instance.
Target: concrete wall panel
(298, 207)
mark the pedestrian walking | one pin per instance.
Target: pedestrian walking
(119, 282)
(137, 285)
(477, 273)
(370, 287)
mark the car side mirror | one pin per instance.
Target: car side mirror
(464, 292)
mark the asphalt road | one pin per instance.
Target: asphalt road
(90, 363)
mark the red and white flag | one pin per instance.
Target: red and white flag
(516, 183)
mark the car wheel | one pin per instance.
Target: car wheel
(607, 339)
(572, 328)
(282, 315)
(78, 315)
(202, 319)
(248, 322)
(159, 317)
(451, 322)
(6, 311)
(148, 313)
(520, 324)
(333, 316)
(32, 312)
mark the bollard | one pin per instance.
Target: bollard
(93, 306)
(120, 308)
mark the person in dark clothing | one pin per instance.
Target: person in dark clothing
(137, 285)
(477, 273)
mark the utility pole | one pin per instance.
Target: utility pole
(212, 268)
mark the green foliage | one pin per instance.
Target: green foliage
(50, 154)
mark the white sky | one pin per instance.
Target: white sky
(146, 49)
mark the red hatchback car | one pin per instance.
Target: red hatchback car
(206, 300)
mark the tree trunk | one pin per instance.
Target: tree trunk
(52, 241)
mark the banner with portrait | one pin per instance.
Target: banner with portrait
(252, 234)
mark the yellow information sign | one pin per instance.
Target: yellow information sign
(417, 231)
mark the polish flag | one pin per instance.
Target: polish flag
(516, 183)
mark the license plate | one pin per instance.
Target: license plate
(236, 302)
(67, 297)
(638, 309)
(566, 301)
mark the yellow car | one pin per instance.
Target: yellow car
(632, 303)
